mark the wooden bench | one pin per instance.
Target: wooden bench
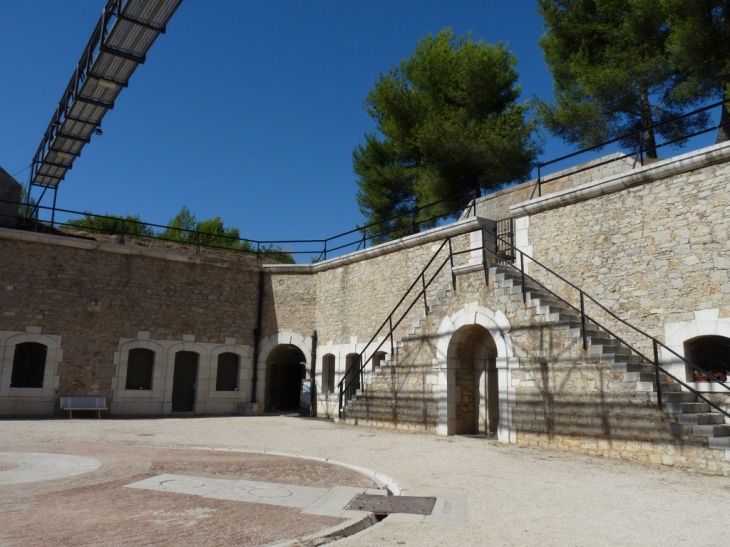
(83, 403)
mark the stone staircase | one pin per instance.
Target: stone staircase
(387, 399)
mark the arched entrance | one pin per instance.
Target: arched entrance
(474, 393)
(474, 363)
(285, 369)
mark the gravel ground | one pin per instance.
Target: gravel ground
(515, 495)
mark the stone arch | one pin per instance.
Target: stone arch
(270, 346)
(493, 331)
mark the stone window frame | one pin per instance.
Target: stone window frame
(329, 373)
(119, 383)
(152, 371)
(706, 323)
(244, 371)
(54, 355)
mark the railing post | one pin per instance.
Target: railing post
(324, 252)
(425, 301)
(451, 258)
(485, 264)
(656, 370)
(522, 272)
(392, 345)
(583, 321)
(539, 182)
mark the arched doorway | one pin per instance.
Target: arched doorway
(473, 392)
(285, 369)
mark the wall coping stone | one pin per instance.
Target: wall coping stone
(690, 161)
(93, 245)
(436, 234)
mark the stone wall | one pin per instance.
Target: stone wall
(496, 206)
(94, 295)
(653, 253)
(9, 197)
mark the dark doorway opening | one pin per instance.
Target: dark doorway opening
(183, 381)
(285, 370)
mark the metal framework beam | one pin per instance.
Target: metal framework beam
(127, 29)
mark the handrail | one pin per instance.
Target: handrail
(539, 182)
(346, 385)
(656, 344)
(320, 247)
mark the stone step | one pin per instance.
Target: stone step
(626, 363)
(612, 348)
(688, 408)
(675, 397)
(707, 418)
(719, 442)
(554, 308)
(711, 430)
(563, 316)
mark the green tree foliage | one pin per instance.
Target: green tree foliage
(699, 44)
(111, 224)
(447, 123)
(184, 227)
(612, 73)
(25, 209)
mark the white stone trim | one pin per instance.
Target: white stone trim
(706, 323)
(22, 399)
(498, 326)
(158, 400)
(245, 369)
(522, 241)
(267, 346)
(690, 161)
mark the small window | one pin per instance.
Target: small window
(328, 373)
(711, 354)
(379, 359)
(227, 378)
(29, 365)
(139, 368)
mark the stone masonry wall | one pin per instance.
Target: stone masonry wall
(653, 254)
(563, 397)
(496, 206)
(52, 286)
(354, 300)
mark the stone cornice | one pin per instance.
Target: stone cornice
(691, 161)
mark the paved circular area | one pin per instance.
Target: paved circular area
(77, 494)
(36, 467)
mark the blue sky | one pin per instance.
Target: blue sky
(247, 110)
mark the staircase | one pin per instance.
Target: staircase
(389, 396)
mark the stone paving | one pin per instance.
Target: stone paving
(495, 494)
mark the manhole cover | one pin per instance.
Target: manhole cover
(385, 505)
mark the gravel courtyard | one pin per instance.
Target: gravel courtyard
(514, 495)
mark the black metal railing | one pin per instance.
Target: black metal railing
(638, 153)
(354, 376)
(412, 221)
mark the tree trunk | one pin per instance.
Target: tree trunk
(647, 121)
(723, 130)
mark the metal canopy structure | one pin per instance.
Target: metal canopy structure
(119, 44)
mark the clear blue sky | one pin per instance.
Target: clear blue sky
(247, 110)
